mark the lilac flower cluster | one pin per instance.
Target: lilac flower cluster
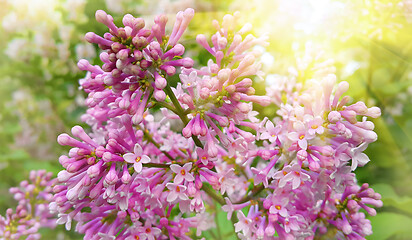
(138, 176)
(32, 211)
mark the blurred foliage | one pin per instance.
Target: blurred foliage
(370, 42)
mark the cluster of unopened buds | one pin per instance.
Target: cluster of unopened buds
(138, 176)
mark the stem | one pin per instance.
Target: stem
(218, 198)
(212, 193)
(156, 165)
(213, 234)
(165, 105)
(219, 233)
(254, 192)
(150, 139)
(181, 112)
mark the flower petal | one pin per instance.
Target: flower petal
(172, 196)
(129, 157)
(145, 159)
(183, 196)
(189, 177)
(175, 168)
(187, 166)
(138, 149)
(138, 167)
(303, 144)
(178, 179)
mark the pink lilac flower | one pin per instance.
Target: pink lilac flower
(244, 223)
(137, 158)
(293, 174)
(182, 173)
(272, 132)
(279, 207)
(176, 191)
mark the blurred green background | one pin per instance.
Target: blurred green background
(367, 43)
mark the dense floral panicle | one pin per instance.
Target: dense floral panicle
(32, 212)
(138, 176)
(218, 98)
(136, 61)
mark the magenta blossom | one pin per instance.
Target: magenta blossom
(137, 158)
(182, 173)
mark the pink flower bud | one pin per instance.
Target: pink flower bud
(170, 70)
(230, 89)
(63, 176)
(245, 83)
(123, 54)
(111, 177)
(334, 116)
(243, 107)
(373, 112)
(204, 93)
(359, 107)
(191, 190)
(349, 115)
(159, 95)
(196, 125)
(116, 47)
(160, 82)
(126, 177)
(101, 16)
(222, 42)
(75, 166)
(187, 131)
(223, 74)
(138, 55)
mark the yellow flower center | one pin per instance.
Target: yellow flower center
(301, 136)
(177, 189)
(183, 172)
(314, 126)
(138, 159)
(278, 207)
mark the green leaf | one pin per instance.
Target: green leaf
(15, 155)
(391, 199)
(386, 225)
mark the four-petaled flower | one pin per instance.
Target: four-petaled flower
(314, 125)
(291, 223)
(176, 191)
(292, 174)
(300, 136)
(358, 157)
(190, 80)
(182, 173)
(243, 224)
(137, 158)
(279, 207)
(272, 132)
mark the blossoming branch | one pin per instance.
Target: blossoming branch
(138, 175)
